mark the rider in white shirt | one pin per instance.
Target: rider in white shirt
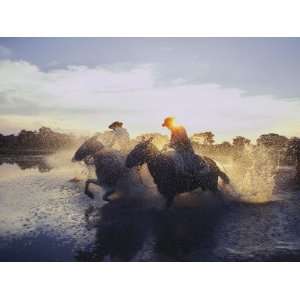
(120, 140)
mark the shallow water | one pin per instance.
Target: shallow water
(42, 212)
(42, 217)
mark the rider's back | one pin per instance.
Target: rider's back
(180, 140)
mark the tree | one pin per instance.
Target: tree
(275, 144)
(204, 138)
(27, 138)
(223, 148)
(240, 142)
(44, 139)
(272, 140)
(45, 131)
(225, 145)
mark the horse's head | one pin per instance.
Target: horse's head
(140, 153)
(88, 148)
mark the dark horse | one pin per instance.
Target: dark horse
(109, 164)
(162, 167)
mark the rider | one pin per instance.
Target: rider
(181, 143)
(179, 138)
(120, 139)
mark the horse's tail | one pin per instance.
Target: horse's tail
(224, 177)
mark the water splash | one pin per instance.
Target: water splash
(253, 174)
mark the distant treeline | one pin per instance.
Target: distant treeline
(205, 142)
(283, 149)
(277, 148)
(44, 140)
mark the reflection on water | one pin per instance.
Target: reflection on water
(44, 214)
(38, 162)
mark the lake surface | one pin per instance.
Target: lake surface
(41, 211)
(43, 218)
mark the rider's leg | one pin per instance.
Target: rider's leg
(191, 165)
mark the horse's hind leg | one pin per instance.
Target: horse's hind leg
(169, 202)
(86, 190)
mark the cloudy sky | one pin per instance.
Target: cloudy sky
(232, 86)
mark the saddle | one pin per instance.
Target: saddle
(188, 164)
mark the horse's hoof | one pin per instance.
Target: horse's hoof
(89, 210)
(90, 195)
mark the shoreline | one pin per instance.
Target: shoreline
(13, 152)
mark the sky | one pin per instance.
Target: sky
(231, 86)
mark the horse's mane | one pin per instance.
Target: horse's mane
(110, 153)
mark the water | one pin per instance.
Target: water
(42, 211)
(42, 218)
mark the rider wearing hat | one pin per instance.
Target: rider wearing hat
(120, 140)
(190, 164)
(179, 138)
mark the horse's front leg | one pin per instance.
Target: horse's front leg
(107, 194)
(86, 190)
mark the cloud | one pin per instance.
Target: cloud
(86, 98)
(69, 89)
(255, 65)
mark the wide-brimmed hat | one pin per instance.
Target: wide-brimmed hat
(168, 121)
(115, 124)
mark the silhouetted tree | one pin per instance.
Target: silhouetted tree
(204, 138)
(272, 140)
(44, 139)
(240, 141)
(224, 148)
(275, 144)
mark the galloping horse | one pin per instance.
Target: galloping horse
(162, 167)
(109, 164)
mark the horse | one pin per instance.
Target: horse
(169, 182)
(109, 164)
